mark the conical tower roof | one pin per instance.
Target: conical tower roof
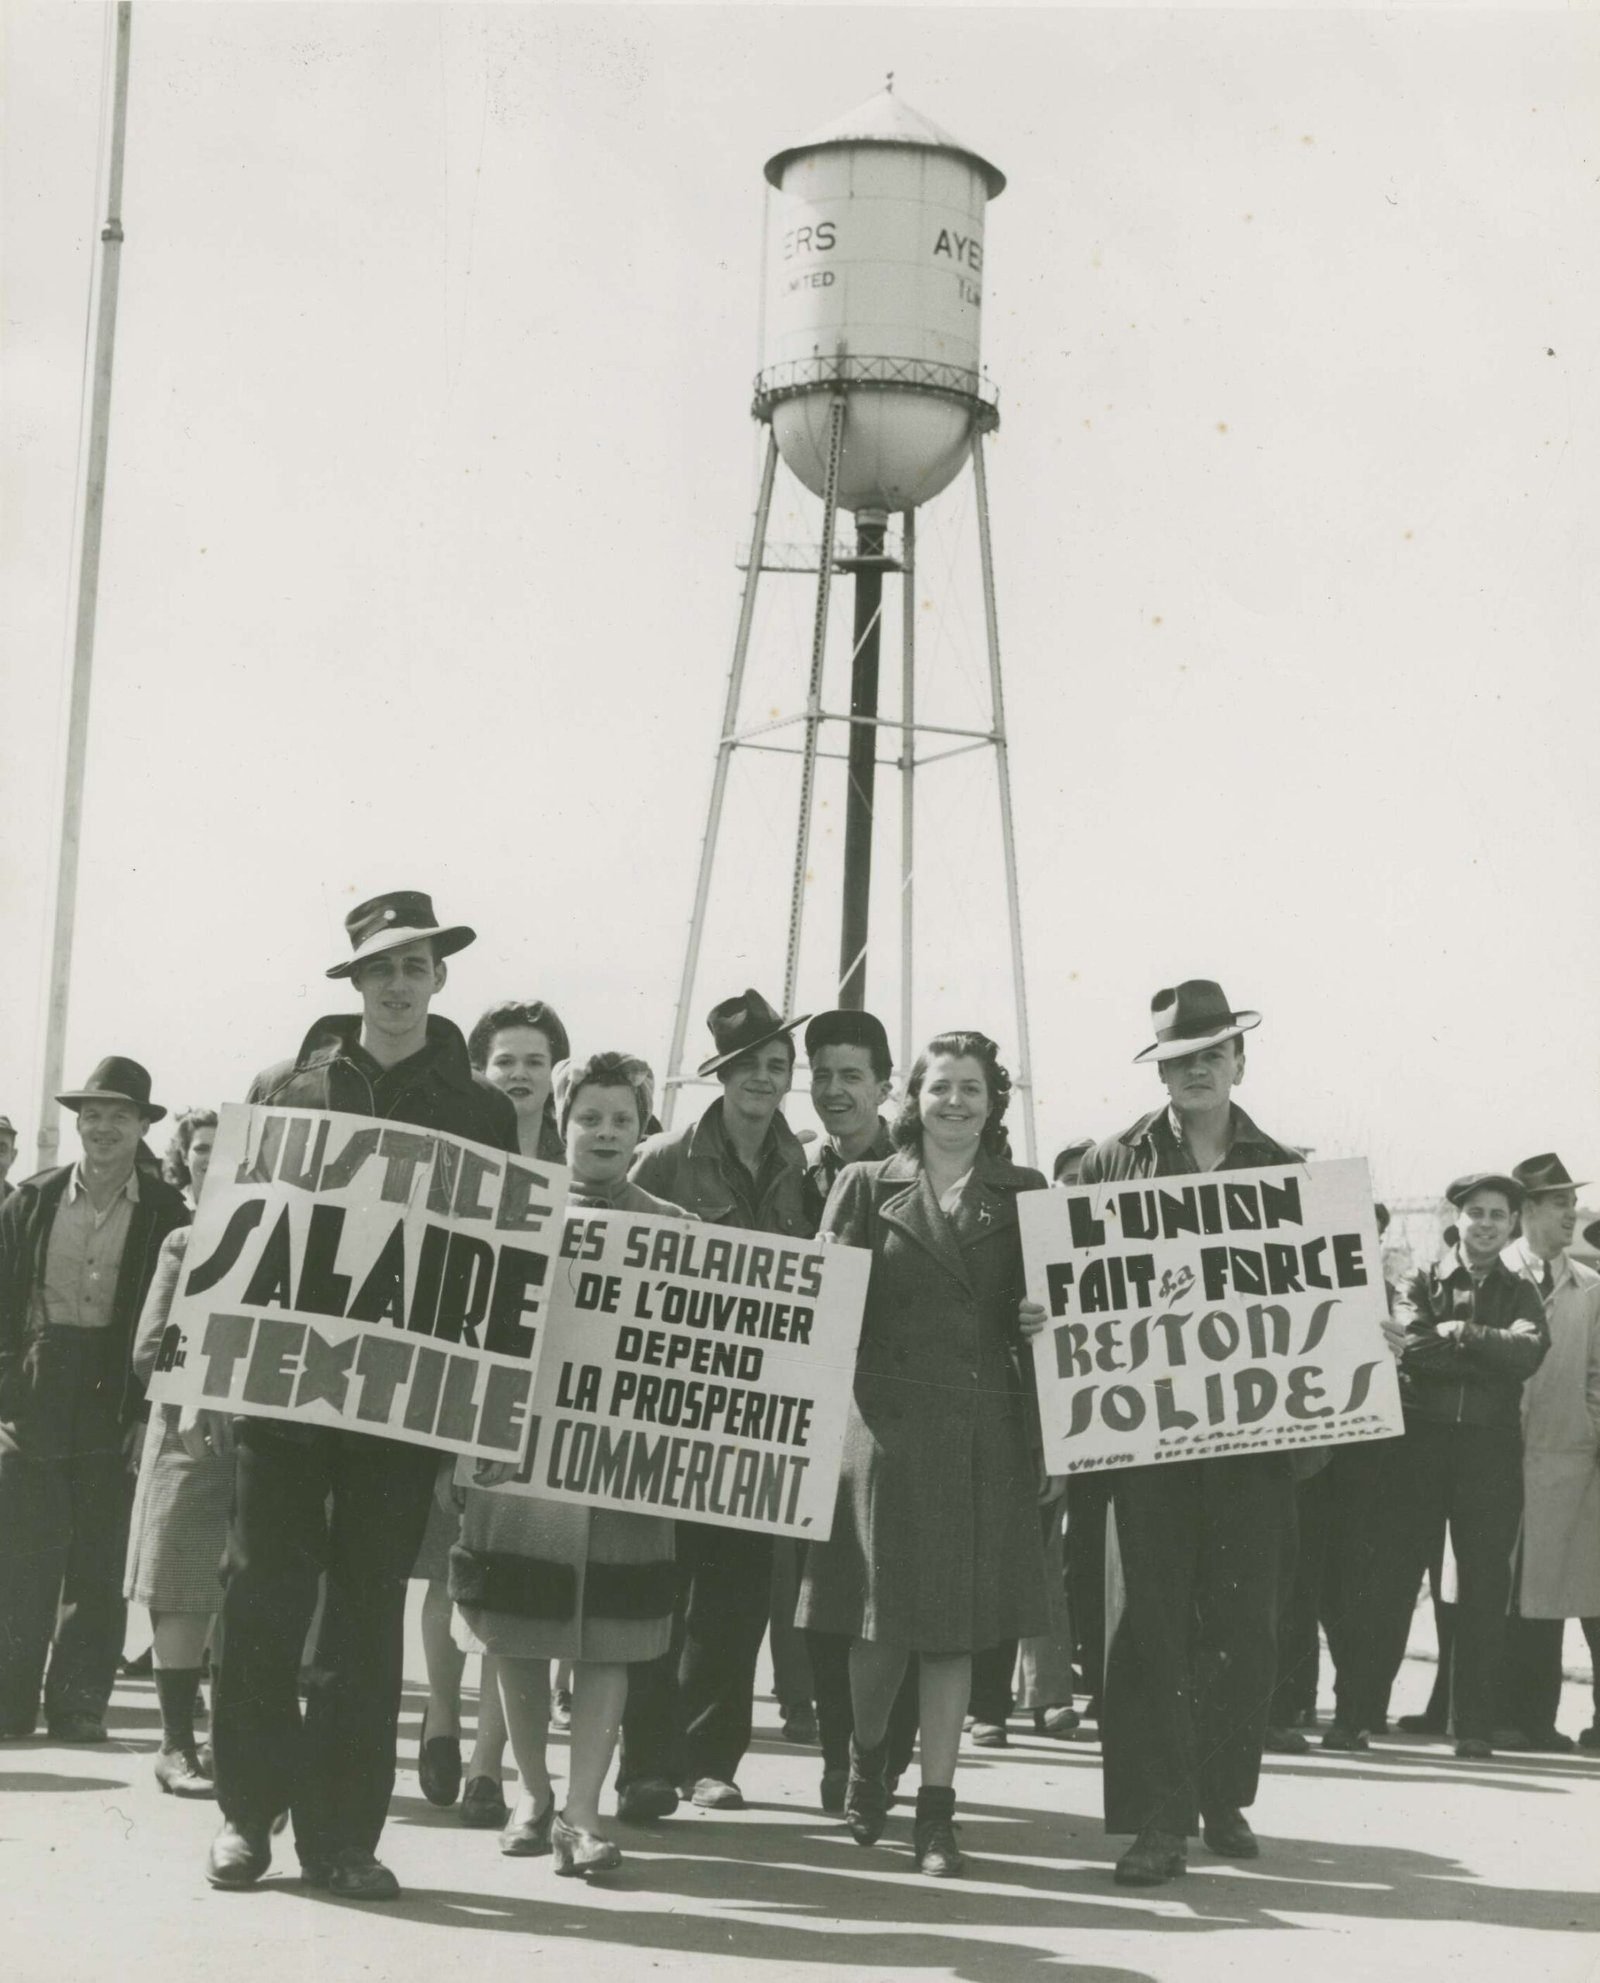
(885, 119)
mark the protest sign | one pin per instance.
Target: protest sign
(695, 1370)
(370, 1275)
(1230, 1312)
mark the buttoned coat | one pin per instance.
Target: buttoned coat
(935, 1541)
(1561, 1448)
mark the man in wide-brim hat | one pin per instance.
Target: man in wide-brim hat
(398, 1060)
(78, 1249)
(687, 1723)
(1187, 1686)
(1558, 1562)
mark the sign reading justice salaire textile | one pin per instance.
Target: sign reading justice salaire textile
(1236, 1311)
(370, 1275)
(695, 1370)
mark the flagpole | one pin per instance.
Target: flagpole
(88, 587)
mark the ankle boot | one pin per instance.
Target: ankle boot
(866, 1795)
(177, 1688)
(933, 1837)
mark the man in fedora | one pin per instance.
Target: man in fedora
(1189, 1671)
(1475, 1332)
(313, 1498)
(78, 1247)
(687, 1722)
(1557, 1573)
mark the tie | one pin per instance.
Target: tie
(1547, 1281)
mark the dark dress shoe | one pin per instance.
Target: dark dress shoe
(1228, 1833)
(1538, 1742)
(1474, 1749)
(800, 1725)
(1420, 1724)
(934, 1847)
(77, 1728)
(1153, 1858)
(179, 1774)
(833, 1789)
(356, 1875)
(715, 1793)
(580, 1854)
(483, 1804)
(17, 1732)
(646, 1799)
(529, 1838)
(439, 1769)
(238, 1857)
(1349, 1740)
(1590, 1738)
(1286, 1742)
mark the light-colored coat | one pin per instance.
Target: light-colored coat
(1561, 1449)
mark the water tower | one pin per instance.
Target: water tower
(872, 396)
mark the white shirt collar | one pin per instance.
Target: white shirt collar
(130, 1190)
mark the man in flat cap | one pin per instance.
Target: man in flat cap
(687, 1723)
(78, 1247)
(1475, 1333)
(1558, 1560)
(311, 1498)
(1190, 1667)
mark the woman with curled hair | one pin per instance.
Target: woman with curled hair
(536, 1580)
(935, 1541)
(517, 1047)
(180, 1507)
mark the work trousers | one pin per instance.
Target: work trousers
(1189, 1672)
(1294, 1691)
(356, 1507)
(836, 1719)
(688, 1713)
(792, 1684)
(65, 1499)
(1345, 1512)
(991, 1698)
(1088, 1497)
(1528, 1685)
(1468, 1477)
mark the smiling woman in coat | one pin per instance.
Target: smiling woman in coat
(935, 1542)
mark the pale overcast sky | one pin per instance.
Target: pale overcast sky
(431, 455)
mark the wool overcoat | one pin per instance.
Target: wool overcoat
(1561, 1448)
(935, 1541)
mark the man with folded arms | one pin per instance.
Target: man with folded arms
(78, 1249)
(310, 1498)
(1558, 1562)
(1190, 1667)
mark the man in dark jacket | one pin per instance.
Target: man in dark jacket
(1475, 1333)
(316, 1498)
(1190, 1669)
(78, 1248)
(687, 1722)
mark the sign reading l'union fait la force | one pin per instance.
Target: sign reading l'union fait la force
(370, 1275)
(1229, 1312)
(695, 1370)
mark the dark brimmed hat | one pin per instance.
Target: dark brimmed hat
(738, 1025)
(843, 1028)
(1463, 1188)
(1545, 1173)
(388, 922)
(1190, 1017)
(1591, 1234)
(1073, 1153)
(115, 1080)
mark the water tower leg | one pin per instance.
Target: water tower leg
(1024, 1058)
(719, 783)
(863, 773)
(908, 774)
(813, 718)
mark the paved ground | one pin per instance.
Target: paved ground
(1401, 1864)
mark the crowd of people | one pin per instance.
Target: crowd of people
(960, 1584)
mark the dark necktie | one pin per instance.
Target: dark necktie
(1547, 1281)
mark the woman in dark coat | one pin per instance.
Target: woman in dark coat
(935, 1542)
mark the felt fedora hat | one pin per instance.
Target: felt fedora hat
(1189, 1017)
(1462, 1189)
(388, 922)
(845, 1028)
(742, 1023)
(1545, 1173)
(115, 1080)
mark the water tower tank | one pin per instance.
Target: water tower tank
(875, 284)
